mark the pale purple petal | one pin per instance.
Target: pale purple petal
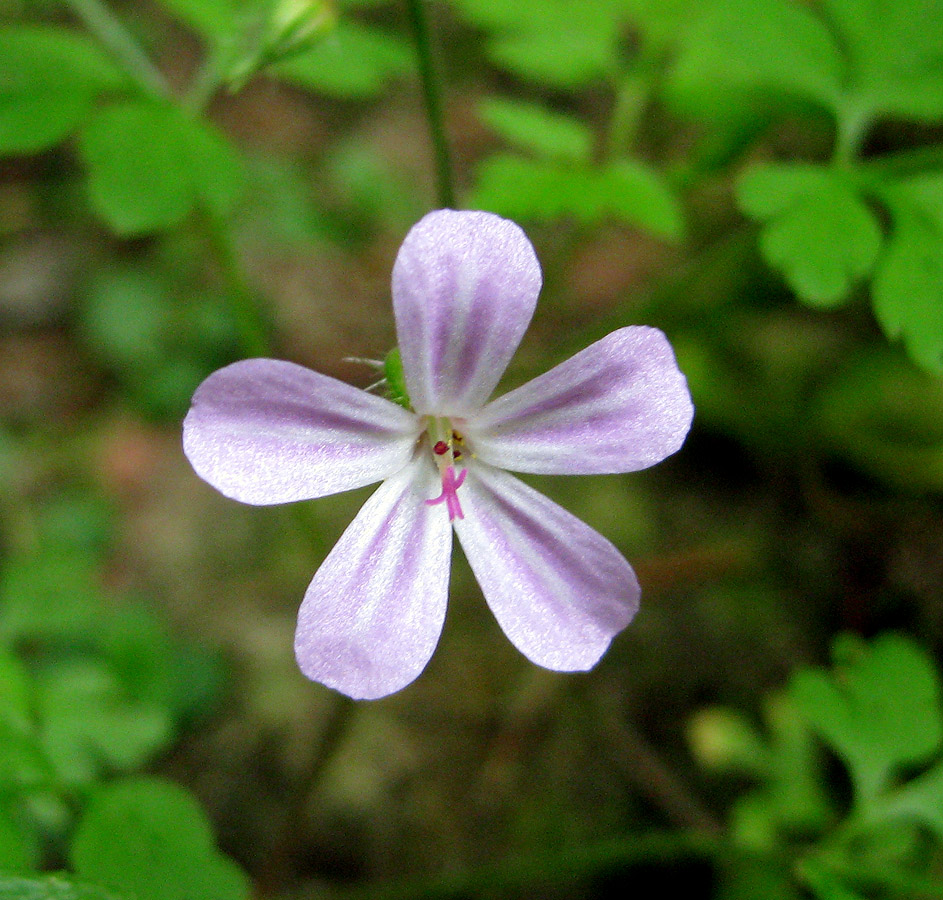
(560, 590)
(267, 431)
(372, 616)
(464, 288)
(620, 405)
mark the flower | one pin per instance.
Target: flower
(464, 288)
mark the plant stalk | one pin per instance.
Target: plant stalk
(428, 75)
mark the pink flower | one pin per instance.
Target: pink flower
(464, 288)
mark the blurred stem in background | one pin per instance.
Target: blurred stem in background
(122, 45)
(428, 75)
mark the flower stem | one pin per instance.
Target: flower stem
(419, 25)
(99, 19)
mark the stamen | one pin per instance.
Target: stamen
(440, 448)
(449, 495)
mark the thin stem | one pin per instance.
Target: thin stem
(99, 19)
(852, 127)
(206, 83)
(428, 75)
(633, 93)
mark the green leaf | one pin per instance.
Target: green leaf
(150, 164)
(529, 126)
(18, 851)
(920, 800)
(528, 36)
(354, 62)
(894, 49)
(149, 839)
(51, 887)
(661, 22)
(884, 416)
(819, 232)
(49, 596)
(14, 693)
(89, 720)
(216, 20)
(625, 191)
(49, 79)
(762, 45)
(879, 709)
(908, 284)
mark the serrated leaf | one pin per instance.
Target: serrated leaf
(819, 232)
(545, 190)
(150, 839)
(531, 127)
(765, 45)
(879, 708)
(49, 79)
(353, 62)
(894, 48)
(908, 283)
(150, 164)
(51, 887)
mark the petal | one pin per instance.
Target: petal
(620, 405)
(372, 616)
(560, 590)
(266, 431)
(464, 288)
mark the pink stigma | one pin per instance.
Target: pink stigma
(450, 486)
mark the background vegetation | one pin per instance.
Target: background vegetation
(184, 183)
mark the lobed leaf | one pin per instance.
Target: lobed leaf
(908, 283)
(89, 721)
(819, 232)
(49, 79)
(149, 165)
(149, 839)
(894, 49)
(354, 62)
(534, 128)
(552, 42)
(762, 45)
(879, 709)
(625, 191)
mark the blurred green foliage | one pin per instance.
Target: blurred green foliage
(745, 153)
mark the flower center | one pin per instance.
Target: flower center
(447, 449)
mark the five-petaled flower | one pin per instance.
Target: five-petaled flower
(464, 288)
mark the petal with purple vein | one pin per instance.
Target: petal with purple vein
(266, 431)
(464, 289)
(620, 405)
(372, 616)
(559, 590)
